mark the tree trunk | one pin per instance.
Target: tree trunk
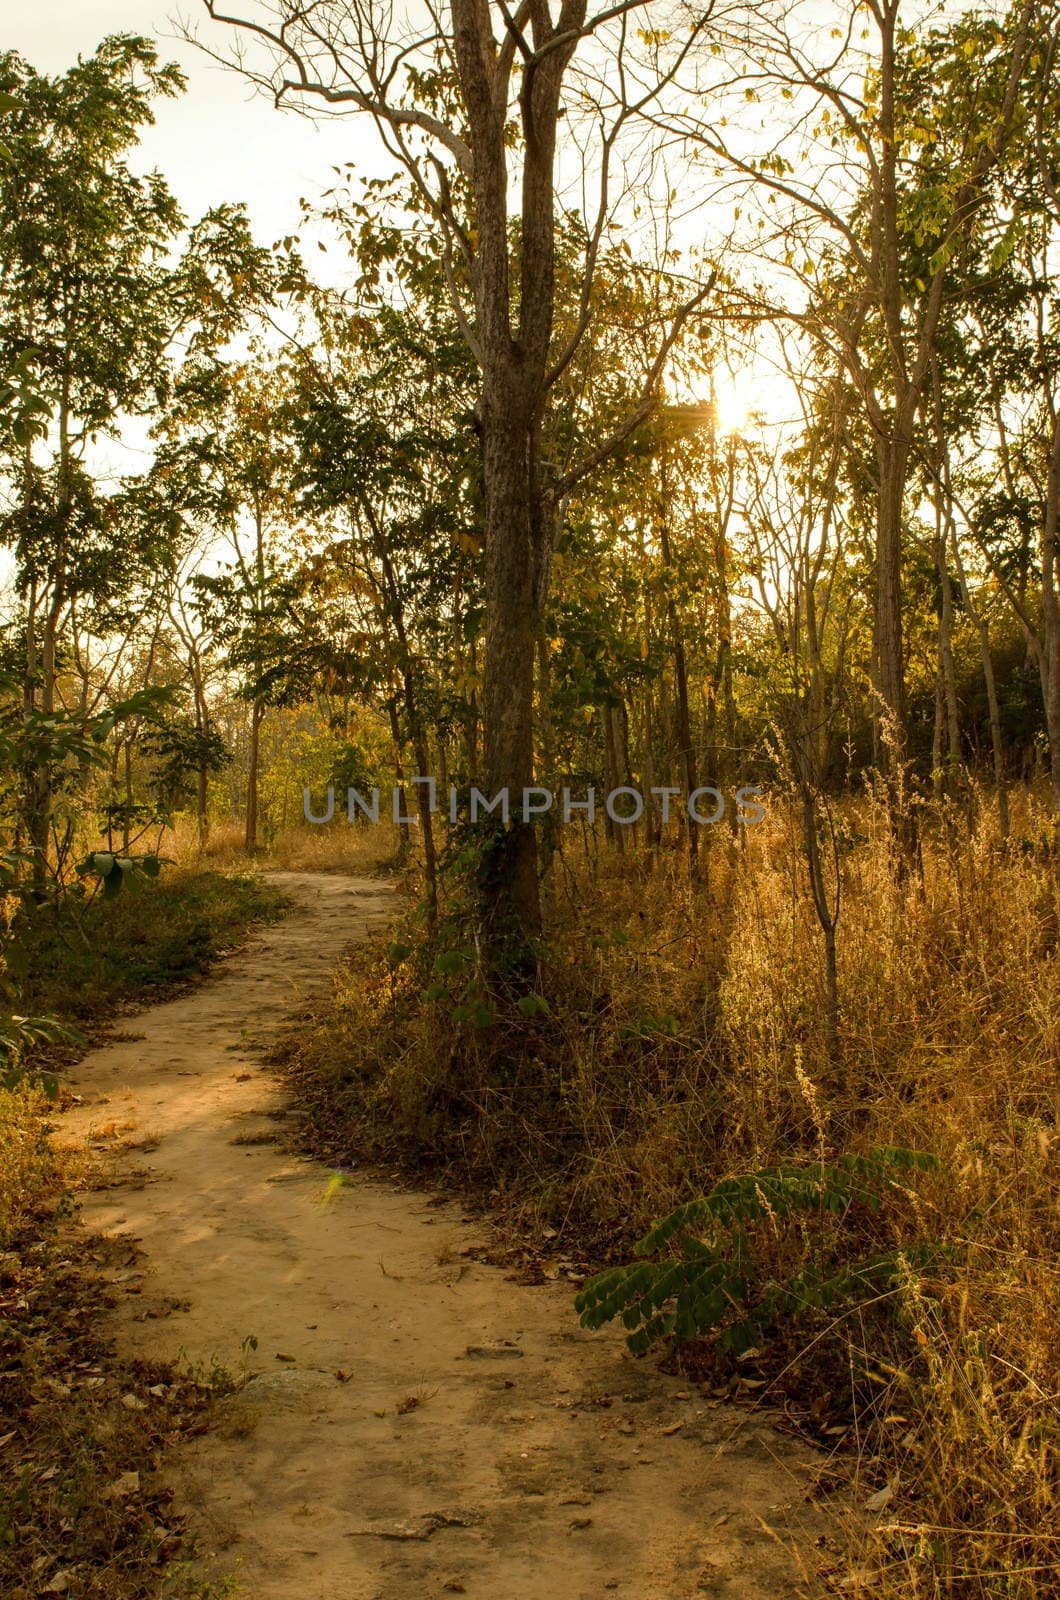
(399, 773)
(946, 666)
(202, 807)
(682, 717)
(423, 811)
(257, 716)
(1049, 654)
(126, 818)
(890, 656)
(511, 903)
(982, 632)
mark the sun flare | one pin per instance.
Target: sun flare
(733, 405)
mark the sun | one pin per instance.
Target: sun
(732, 402)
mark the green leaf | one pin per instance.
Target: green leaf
(703, 1285)
(533, 1005)
(450, 962)
(112, 882)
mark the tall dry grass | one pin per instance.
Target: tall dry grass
(29, 1172)
(337, 847)
(685, 1041)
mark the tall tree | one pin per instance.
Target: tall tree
(471, 105)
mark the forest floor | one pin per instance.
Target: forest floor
(397, 1418)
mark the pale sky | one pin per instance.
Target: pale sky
(220, 141)
(223, 141)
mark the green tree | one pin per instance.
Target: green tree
(93, 292)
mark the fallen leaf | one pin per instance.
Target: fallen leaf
(127, 1483)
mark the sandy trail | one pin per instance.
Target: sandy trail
(539, 1468)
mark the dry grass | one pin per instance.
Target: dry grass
(685, 1042)
(28, 1166)
(337, 848)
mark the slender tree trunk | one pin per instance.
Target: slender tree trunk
(399, 774)
(1049, 654)
(202, 809)
(126, 821)
(946, 665)
(257, 717)
(938, 775)
(890, 655)
(426, 821)
(653, 819)
(682, 717)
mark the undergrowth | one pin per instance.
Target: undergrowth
(678, 1041)
(80, 962)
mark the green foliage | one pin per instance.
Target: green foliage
(21, 1035)
(704, 1285)
(79, 959)
(533, 1005)
(451, 962)
(181, 749)
(115, 871)
(651, 1025)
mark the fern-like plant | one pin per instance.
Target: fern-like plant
(699, 1281)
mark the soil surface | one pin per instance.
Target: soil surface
(415, 1423)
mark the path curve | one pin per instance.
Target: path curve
(478, 1442)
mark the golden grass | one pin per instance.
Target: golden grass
(336, 848)
(686, 1042)
(28, 1168)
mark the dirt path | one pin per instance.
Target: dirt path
(478, 1441)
